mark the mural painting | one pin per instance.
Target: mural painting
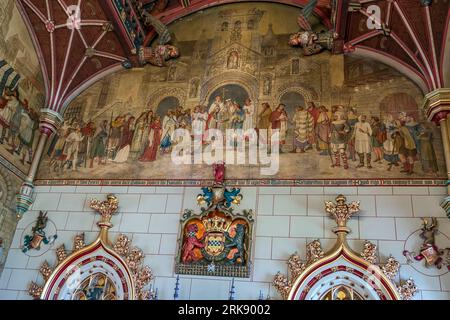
(339, 117)
(21, 89)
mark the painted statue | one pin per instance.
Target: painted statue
(238, 242)
(163, 51)
(310, 41)
(38, 235)
(190, 243)
(219, 172)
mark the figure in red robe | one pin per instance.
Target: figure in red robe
(278, 120)
(154, 140)
(219, 172)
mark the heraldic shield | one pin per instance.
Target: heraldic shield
(216, 242)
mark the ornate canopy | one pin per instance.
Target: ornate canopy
(99, 271)
(341, 273)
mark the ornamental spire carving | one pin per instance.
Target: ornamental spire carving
(106, 208)
(341, 211)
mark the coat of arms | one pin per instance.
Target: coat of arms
(429, 251)
(217, 241)
(38, 236)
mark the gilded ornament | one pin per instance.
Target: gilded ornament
(407, 289)
(35, 290)
(296, 266)
(122, 245)
(370, 252)
(282, 284)
(390, 269)
(45, 270)
(98, 286)
(78, 242)
(341, 211)
(135, 258)
(316, 259)
(142, 278)
(314, 252)
(61, 253)
(106, 208)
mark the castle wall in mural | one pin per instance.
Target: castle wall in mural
(340, 117)
(21, 88)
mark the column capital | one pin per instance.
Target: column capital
(436, 105)
(50, 121)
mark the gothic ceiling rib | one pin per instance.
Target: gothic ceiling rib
(406, 34)
(73, 52)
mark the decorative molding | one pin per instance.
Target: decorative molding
(436, 105)
(12, 168)
(249, 182)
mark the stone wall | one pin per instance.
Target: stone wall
(286, 219)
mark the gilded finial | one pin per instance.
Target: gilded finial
(106, 209)
(341, 211)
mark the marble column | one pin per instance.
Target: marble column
(437, 109)
(48, 125)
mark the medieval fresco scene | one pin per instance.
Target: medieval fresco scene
(21, 89)
(338, 117)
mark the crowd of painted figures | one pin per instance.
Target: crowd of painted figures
(344, 134)
(18, 123)
(341, 133)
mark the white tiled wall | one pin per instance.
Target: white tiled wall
(286, 219)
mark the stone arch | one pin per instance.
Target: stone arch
(156, 97)
(308, 93)
(248, 82)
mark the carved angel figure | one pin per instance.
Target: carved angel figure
(163, 51)
(310, 41)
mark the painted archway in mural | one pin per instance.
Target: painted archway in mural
(159, 95)
(244, 80)
(231, 91)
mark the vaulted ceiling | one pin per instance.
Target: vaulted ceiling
(75, 53)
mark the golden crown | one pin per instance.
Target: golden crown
(216, 223)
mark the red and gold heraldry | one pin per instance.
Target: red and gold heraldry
(216, 242)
